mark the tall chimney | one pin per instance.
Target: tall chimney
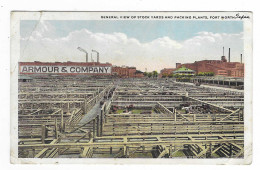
(229, 55)
(241, 59)
(223, 51)
(87, 57)
(98, 57)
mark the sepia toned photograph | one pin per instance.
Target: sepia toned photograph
(132, 86)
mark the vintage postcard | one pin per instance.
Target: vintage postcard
(131, 87)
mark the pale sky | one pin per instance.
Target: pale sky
(144, 44)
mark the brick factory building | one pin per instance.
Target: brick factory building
(218, 67)
(78, 68)
(65, 68)
(126, 72)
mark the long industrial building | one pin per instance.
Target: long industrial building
(78, 68)
(220, 67)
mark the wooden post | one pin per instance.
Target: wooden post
(163, 129)
(61, 122)
(43, 133)
(125, 151)
(94, 128)
(105, 117)
(151, 128)
(170, 151)
(101, 123)
(56, 129)
(33, 152)
(64, 127)
(90, 135)
(85, 110)
(230, 150)
(98, 126)
(111, 150)
(114, 129)
(210, 150)
(175, 117)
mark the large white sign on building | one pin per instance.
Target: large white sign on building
(66, 69)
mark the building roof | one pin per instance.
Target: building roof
(69, 63)
(184, 69)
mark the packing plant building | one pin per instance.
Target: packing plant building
(77, 68)
(218, 67)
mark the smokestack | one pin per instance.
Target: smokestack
(97, 55)
(241, 59)
(223, 51)
(84, 51)
(177, 65)
(229, 55)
